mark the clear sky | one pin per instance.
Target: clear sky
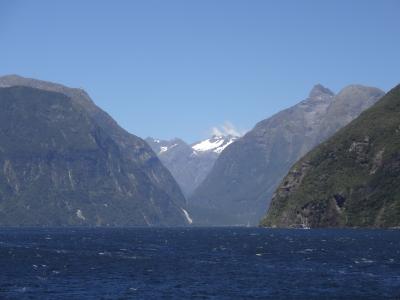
(179, 68)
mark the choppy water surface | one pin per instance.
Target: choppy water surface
(199, 263)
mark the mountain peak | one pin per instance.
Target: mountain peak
(11, 76)
(354, 89)
(214, 144)
(319, 90)
(318, 190)
(190, 164)
(80, 133)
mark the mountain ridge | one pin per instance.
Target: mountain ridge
(350, 180)
(237, 189)
(190, 164)
(134, 150)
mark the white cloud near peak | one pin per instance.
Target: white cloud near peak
(227, 129)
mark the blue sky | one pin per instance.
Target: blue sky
(179, 68)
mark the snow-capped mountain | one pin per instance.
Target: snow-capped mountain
(216, 144)
(163, 146)
(190, 164)
(244, 178)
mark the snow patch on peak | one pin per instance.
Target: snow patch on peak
(163, 149)
(208, 144)
(222, 148)
(216, 144)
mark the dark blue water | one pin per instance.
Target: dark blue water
(199, 263)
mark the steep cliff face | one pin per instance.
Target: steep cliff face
(64, 162)
(130, 145)
(347, 105)
(351, 180)
(243, 179)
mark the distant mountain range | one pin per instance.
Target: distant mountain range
(351, 180)
(66, 162)
(190, 164)
(240, 185)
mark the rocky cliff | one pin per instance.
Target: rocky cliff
(66, 162)
(243, 179)
(351, 180)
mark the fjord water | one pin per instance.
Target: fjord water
(200, 263)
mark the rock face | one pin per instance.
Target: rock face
(351, 180)
(244, 177)
(190, 164)
(66, 162)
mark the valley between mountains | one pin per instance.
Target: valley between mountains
(331, 160)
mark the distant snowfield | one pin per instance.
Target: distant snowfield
(216, 144)
(220, 149)
(165, 148)
(208, 145)
(189, 164)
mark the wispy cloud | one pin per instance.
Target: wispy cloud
(227, 129)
